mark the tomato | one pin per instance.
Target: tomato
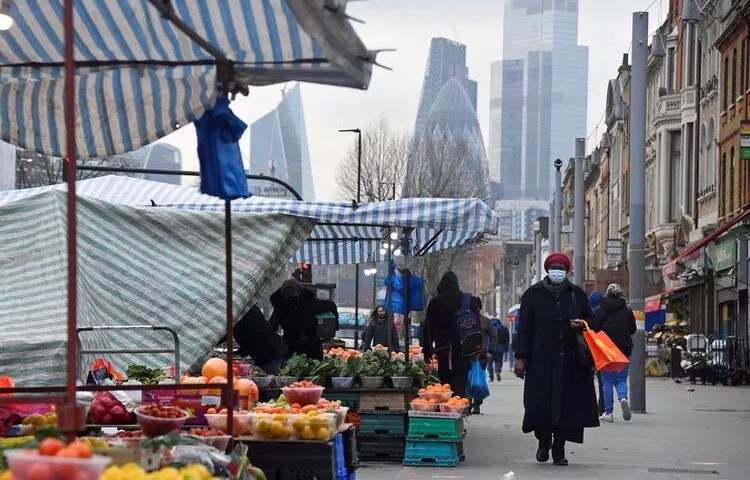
(83, 449)
(40, 471)
(67, 471)
(50, 446)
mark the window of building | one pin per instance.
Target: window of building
(733, 98)
(725, 91)
(723, 183)
(743, 68)
(675, 169)
(731, 182)
(671, 66)
(688, 184)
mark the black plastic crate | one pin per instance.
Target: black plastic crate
(381, 449)
(274, 457)
(351, 453)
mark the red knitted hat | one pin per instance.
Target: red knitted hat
(557, 259)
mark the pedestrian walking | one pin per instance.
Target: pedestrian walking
(376, 331)
(441, 335)
(503, 340)
(594, 300)
(489, 347)
(615, 318)
(559, 397)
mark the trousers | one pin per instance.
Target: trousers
(618, 381)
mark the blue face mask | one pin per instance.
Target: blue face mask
(556, 276)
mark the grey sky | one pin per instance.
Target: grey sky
(408, 26)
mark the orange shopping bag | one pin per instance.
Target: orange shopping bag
(607, 357)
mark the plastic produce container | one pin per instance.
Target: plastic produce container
(321, 427)
(423, 407)
(29, 465)
(452, 408)
(439, 396)
(157, 426)
(241, 422)
(303, 396)
(272, 427)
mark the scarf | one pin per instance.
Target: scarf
(555, 288)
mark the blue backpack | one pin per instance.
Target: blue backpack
(469, 330)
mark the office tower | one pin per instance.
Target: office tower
(538, 96)
(278, 148)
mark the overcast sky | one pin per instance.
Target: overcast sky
(408, 26)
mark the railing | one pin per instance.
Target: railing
(669, 105)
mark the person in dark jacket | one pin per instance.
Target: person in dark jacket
(488, 347)
(616, 319)
(257, 340)
(376, 331)
(294, 310)
(503, 341)
(559, 397)
(440, 336)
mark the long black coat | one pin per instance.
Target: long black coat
(298, 320)
(558, 391)
(616, 319)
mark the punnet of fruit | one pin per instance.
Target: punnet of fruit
(157, 420)
(424, 404)
(437, 392)
(304, 393)
(454, 405)
(132, 471)
(54, 460)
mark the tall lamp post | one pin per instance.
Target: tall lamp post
(359, 194)
(557, 202)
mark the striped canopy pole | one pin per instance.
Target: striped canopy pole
(70, 416)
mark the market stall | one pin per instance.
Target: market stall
(130, 72)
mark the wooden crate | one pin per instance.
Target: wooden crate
(383, 402)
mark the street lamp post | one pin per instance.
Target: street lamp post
(359, 194)
(557, 202)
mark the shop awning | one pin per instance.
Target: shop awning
(136, 266)
(342, 234)
(672, 267)
(139, 77)
(653, 303)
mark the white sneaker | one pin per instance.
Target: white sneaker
(626, 413)
(607, 417)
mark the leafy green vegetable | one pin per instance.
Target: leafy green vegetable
(145, 375)
(352, 367)
(298, 366)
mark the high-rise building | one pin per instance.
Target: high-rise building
(278, 148)
(447, 61)
(447, 110)
(517, 217)
(538, 96)
(160, 156)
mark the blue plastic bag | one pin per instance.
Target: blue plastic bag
(477, 387)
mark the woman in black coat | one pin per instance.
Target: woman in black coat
(259, 341)
(559, 397)
(379, 325)
(294, 310)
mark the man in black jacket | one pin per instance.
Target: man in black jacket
(376, 331)
(614, 317)
(259, 341)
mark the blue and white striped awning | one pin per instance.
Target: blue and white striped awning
(342, 235)
(139, 78)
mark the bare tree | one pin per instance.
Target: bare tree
(37, 170)
(384, 158)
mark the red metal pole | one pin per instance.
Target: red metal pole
(230, 315)
(70, 125)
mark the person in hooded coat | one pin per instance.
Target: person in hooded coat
(294, 310)
(559, 397)
(615, 318)
(440, 335)
(257, 340)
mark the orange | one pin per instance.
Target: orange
(50, 446)
(247, 388)
(66, 471)
(214, 367)
(83, 449)
(215, 380)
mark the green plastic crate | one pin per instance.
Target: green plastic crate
(350, 400)
(382, 424)
(432, 454)
(423, 429)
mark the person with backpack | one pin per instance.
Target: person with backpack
(503, 341)
(489, 346)
(614, 317)
(559, 397)
(452, 333)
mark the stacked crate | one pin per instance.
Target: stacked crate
(382, 431)
(434, 439)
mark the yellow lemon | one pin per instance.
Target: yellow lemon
(307, 434)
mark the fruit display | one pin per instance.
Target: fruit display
(214, 367)
(424, 404)
(247, 388)
(54, 460)
(342, 353)
(314, 426)
(157, 420)
(38, 420)
(272, 427)
(454, 405)
(132, 471)
(437, 392)
(241, 421)
(304, 393)
(108, 410)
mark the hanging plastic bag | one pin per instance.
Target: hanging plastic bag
(607, 357)
(477, 387)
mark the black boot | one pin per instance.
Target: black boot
(542, 452)
(558, 453)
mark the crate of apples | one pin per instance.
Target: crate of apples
(54, 460)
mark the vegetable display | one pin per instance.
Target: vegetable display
(145, 375)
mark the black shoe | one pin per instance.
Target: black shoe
(498, 377)
(475, 410)
(558, 454)
(542, 452)
(492, 379)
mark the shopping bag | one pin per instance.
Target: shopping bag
(477, 387)
(607, 357)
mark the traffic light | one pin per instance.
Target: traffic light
(303, 273)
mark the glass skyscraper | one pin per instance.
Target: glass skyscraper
(538, 96)
(278, 148)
